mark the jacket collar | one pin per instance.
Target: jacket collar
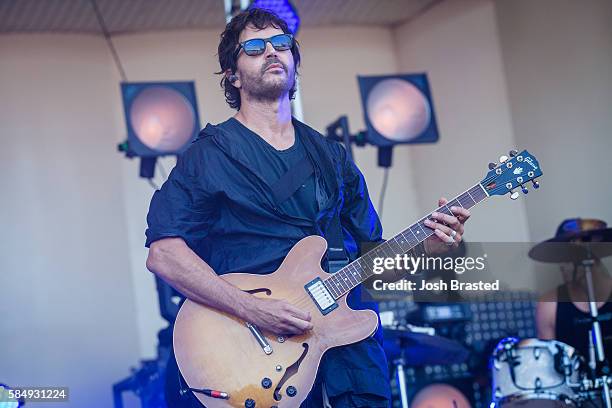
(231, 142)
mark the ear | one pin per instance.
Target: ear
(233, 78)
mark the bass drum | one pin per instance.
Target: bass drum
(535, 373)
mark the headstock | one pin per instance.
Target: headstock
(511, 173)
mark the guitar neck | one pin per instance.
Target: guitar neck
(358, 271)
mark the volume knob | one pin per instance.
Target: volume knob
(266, 383)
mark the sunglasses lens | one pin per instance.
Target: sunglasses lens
(281, 42)
(254, 47)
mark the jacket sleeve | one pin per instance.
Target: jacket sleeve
(358, 215)
(184, 206)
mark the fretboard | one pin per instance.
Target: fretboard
(358, 271)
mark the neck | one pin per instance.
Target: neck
(358, 271)
(267, 118)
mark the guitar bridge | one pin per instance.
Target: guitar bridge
(321, 296)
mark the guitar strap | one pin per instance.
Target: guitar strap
(289, 182)
(336, 255)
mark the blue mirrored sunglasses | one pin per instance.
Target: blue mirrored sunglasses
(256, 46)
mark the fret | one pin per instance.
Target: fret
(414, 237)
(445, 210)
(477, 192)
(484, 190)
(468, 192)
(337, 285)
(351, 276)
(395, 246)
(402, 241)
(454, 203)
(418, 234)
(383, 251)
(426, 230)
(423, 227)
(466, 201)
(412, 241)
(356, 273)
(344, 277)
(339, 280)
(330, 288)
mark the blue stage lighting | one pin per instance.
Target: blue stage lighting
(283, 8)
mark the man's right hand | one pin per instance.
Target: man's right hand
(278, 316)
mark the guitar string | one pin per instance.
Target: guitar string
(305, 300)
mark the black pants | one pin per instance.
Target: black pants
(174, 399)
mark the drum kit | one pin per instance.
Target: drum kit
(528, 373)
(536, 373)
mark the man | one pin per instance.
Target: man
(220, 211)
(563, 313)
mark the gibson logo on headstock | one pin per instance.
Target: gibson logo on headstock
(531, 163)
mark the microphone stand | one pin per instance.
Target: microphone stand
(596, 337)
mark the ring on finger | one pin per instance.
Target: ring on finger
(452, 234)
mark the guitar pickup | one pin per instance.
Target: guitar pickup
(321, 295)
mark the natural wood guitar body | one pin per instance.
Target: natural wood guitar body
(215, 350)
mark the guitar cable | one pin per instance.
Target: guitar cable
(205, 391)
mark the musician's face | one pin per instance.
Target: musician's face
(269, 75)
(567, 270)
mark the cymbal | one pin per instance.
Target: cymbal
(422, 349)
(576, 252)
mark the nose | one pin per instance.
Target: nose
(270, 50)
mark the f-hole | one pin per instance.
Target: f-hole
(292, 369)
(267, 291)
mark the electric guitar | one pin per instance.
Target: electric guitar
(228, 362)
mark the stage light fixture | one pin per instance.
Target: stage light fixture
(398, 109)
(161, 119)
(283, 8)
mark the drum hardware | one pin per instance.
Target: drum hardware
(536, 373)
(602, 366)
(417, 346)
(583, 248)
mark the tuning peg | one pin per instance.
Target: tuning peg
(503, 159)
(492, 165)
(513, 153)
(514, 195)
(524, 189)
(536, 185)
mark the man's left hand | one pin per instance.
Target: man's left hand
(448, 229)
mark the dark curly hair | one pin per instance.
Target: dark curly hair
(260, 19)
